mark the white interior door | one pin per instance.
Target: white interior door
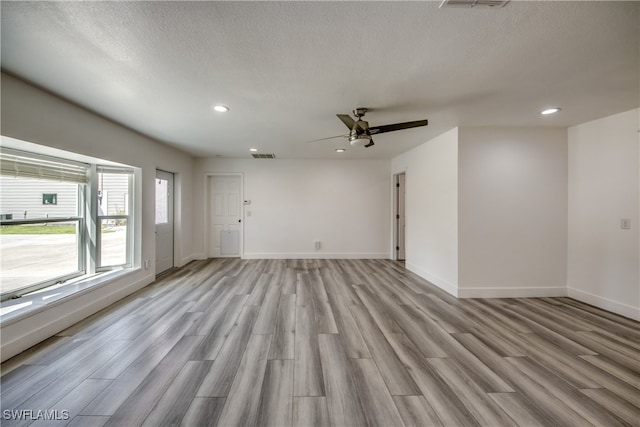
(164, 221)
(400, 228)
(225, 216)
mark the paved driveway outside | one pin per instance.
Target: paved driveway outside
(27, 259)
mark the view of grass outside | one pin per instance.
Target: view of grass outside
(38, 229)
(43, 229)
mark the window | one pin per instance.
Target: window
(162, 204)
(114, 189)
(50, 199)
(61, 219)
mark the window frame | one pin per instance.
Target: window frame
(128, 217)
(81, 239)
(87, 219)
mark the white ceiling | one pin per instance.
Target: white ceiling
(286, 68)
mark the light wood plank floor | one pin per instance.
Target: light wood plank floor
(328, 342)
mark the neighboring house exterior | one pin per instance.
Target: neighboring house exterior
(25, 198)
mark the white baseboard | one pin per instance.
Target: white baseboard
(59, 315)
(316, 255)
(515, 292)
(192, 257)
(439, 282)
(604, 303)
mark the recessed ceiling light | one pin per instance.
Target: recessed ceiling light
(253, 149)
(550, 111)
(221, 108)
(340, 150)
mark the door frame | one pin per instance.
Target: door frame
(207, 213)
(172, 208)
(396, 212)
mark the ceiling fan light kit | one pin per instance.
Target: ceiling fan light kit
(360, 141)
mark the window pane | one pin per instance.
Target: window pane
(113, 193)
(37, 253)
(30, 198)
(113, 242)
(162, 203)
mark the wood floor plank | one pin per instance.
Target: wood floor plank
(72, 402)
(146, 351)
(392, 369)
(615, 369)
(568, 366)
(439, 395)
(220, 320)
(449, 317)
(416, 411)
(175, 402)
(310, 412)
(276, 402)
(481, 374)
(137, 406)
(218, 380)
(622, 410)
(561, 393)
(350, 335)
(343, 401)
(88, 421)
(243, 402)
(322, 309)
(203, 411)
(377, 404)
(71, 380)
(552, 336)
(512, 404)
(425, 334)
(283, 343)
(308, 370)
(337, 286)
(107, 402)
(549, 409)
(485, 411)
(383, 318)
(622, 354)
(288, 279)
(260, 289)
(266, 321)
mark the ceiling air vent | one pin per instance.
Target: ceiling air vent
(263, 156)
(473, 3)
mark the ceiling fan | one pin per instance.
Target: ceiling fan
(360, 132)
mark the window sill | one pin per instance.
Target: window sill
(13, 310)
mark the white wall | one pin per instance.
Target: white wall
(344, 204)
(604, 187)
(512, 211)
(35, 116)
(432, 209)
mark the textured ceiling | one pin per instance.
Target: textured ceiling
(286, 68)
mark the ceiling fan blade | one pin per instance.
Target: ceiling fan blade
(397, 126)
(371, 143)
(330, 137)
(349, 122)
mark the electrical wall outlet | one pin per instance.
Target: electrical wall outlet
(317, 244)
(625, 223)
